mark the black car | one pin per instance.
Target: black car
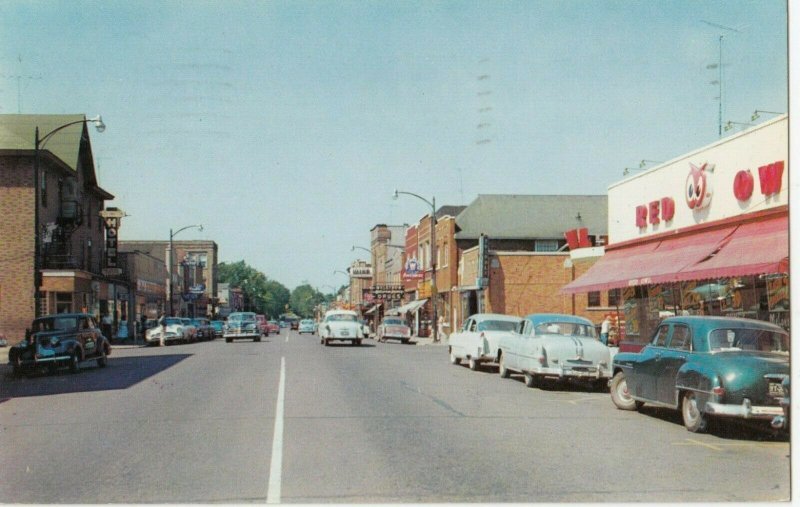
(205, 331)
(64, 339)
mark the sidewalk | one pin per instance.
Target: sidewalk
(418, 340)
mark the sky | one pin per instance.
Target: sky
(284, 127)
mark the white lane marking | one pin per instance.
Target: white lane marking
(274, 489)
(287, 338)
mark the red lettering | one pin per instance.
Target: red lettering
(583, 238)
(572, 238)
(641, 216)
(743, 185)
(654, 209)
(667, 208)
(770, 177)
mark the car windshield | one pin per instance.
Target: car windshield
(217, 323)
(393, 322)
(172, 321)
(497, 325)
(341, 317)
(761, 340)
(307, 322)
(198, 322)
(566, 329)
(241, 317)
(55, 324)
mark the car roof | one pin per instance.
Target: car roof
(715, 322)
(345, 312)
(63, 315)
(539, 318)
(480, 317)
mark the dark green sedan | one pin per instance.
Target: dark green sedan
(706, 366)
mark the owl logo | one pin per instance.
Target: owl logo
(698, 186)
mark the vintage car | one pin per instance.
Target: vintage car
(263, 326)
(781, 422)
(242, 325)
(341, 325)
(306, 326)
(173, 329)
(551, 345)
(706, 366)
(64, 339)
(478, 340)
(219, 326)
(393, 328)
(273, 327)
(190, 328)
(204, 330)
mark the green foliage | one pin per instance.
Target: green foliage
(261, 294)
(304, 299)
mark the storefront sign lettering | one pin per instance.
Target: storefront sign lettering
(655, 212)
(743, 185)
(770, 177)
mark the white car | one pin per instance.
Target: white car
(175, 331)
(342, 325)
(556, 346)
(478, 340)
(306, 326)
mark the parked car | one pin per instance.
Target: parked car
(393, 328)
(341, 325)
(242, 325)
(190, 328)
(306, 326)
(262, 324)
(203, 328)
(173, 329)
(706, 367)
(219, 326)
(64, 339)
(551, 345)
(273, 327)
(478, 340)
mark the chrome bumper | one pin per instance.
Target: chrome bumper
(744, 411)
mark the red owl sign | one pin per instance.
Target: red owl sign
(698, 186)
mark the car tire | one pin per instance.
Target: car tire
(74, 361)
(501, 369)
(453, 359)
(16, 366)
(358, 342)
(620, 395)
(694, 420)
(531, 380)
(257, 339)
(473, 364)
(326, 341)
(321, 341)
(228, 340)
(101, 360)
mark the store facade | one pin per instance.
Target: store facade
(706, 233)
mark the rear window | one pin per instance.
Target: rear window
(497, 325)
(565, 328)
(393, 322)
(757, 340)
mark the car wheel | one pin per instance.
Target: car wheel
(257, 339)
(16, 365)
(326, 341)
(620, 395)
(228, 340)
(474, 365)
(74, 360)
(502, 370)
(453, 358)
(101, 360)
(322, 341)
(531, 380)
(358, 342)
(694, 420)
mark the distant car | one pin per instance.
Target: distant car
(190, 328)
(218, 326)
(478, 340)
(204, 330)
(706, 367)
(294, 323)
(341, 325)
(273, 327)
(64, 339)
(393, 328)
(552, 345)
(283, 324)
(262, 324)
(242, 325)
(306, 326)
(173, 329)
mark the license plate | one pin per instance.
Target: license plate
(776, 389)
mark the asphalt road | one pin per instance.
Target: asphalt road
(380, 423)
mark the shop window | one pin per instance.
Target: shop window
(63, 302)
(593, 299)
(614, 297)
(546, 245)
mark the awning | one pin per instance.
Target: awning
(372, 310)
(753, 248)
(408, 307)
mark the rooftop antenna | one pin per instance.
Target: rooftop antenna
(719, 66)
(19, 77)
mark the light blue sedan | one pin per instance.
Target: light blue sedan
(306, 326)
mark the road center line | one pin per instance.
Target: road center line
(274, 489)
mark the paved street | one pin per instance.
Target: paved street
(379, 423)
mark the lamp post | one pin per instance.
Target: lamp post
(39, 142)
(169, 260)
(432, 204)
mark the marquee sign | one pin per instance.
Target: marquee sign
(112, 217)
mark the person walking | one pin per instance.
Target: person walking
(604, 328)
(105, 326)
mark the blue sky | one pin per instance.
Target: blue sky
(283, 127)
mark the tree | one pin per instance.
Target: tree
(304, 299)
(261, 294)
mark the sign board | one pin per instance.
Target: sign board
(111, 219)
(361, 271)
(411, 269)
(112, 271)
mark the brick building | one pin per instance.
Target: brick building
(526, 261)
(71, 232)
(387, 243)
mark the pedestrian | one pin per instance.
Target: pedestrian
(604, 328)
(105, 325)
(142, 324)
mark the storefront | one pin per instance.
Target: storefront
(704, 234)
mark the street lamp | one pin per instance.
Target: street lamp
(757, 114)
(432, 204)
(353, 249)
(39, 143)
(169, 263)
